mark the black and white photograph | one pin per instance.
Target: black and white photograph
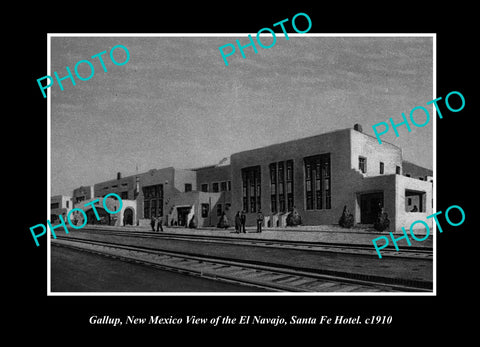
(263, 175)
(190, 172)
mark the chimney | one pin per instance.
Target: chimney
(119, 175)
(358, 127)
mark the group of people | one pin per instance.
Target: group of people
(156, 221)
(240, 220)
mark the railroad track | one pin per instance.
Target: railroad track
(358, 249)
(271, 278)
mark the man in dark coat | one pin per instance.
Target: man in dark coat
(152, 223)
(243, 219)
(238, 223)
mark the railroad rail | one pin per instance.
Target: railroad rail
(358, 249)
(272, 278)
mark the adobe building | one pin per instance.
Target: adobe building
(94, 207)
(317, 175)
(60, 205)
(82, 193)
(215, 184)
(172, 194)
(322, 174)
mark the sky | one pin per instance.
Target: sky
(176, 103)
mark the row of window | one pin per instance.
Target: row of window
(421, 178)
(317, 185)
(125, 184)
(153, 201)
(362, 166)
(281, 186)
(217, 187)
(251, 189)
(317, 182)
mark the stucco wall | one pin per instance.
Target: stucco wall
(404, 218)
(336, 143)
(124, 185)
(184, 176)
(368, 146)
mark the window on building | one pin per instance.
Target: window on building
(204, 187)
(398, 170)
(259, 189)
(281, 187)
(362, 164)
(215, 187)
(273, 187)
(68, 204)
(219, 210)
(308, 185)
(414, 201)
(317, 175)
(124, 195)
(382, 168)
(229, 185)
(244, 191)
(317, 182)
(153, 201)
(146, 209)
(326, 181)
(188, 187)
(205, 209)
(289, 180)
(223, 186)
(251, 189)
(54, 205)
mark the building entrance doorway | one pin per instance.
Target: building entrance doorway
(182, 213)
(128, 217)
(370, 205)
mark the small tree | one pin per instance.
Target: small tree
(346, 220)
(294, 218)
(381, 222)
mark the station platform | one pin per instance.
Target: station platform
(320, 233)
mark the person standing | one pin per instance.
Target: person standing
(152, 223)
(159, 224)
(224, 220)
(243, 219)
(238, 223)
(259, 221)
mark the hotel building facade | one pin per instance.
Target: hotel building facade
(317, 175)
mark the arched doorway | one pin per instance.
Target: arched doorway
(128, 216)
